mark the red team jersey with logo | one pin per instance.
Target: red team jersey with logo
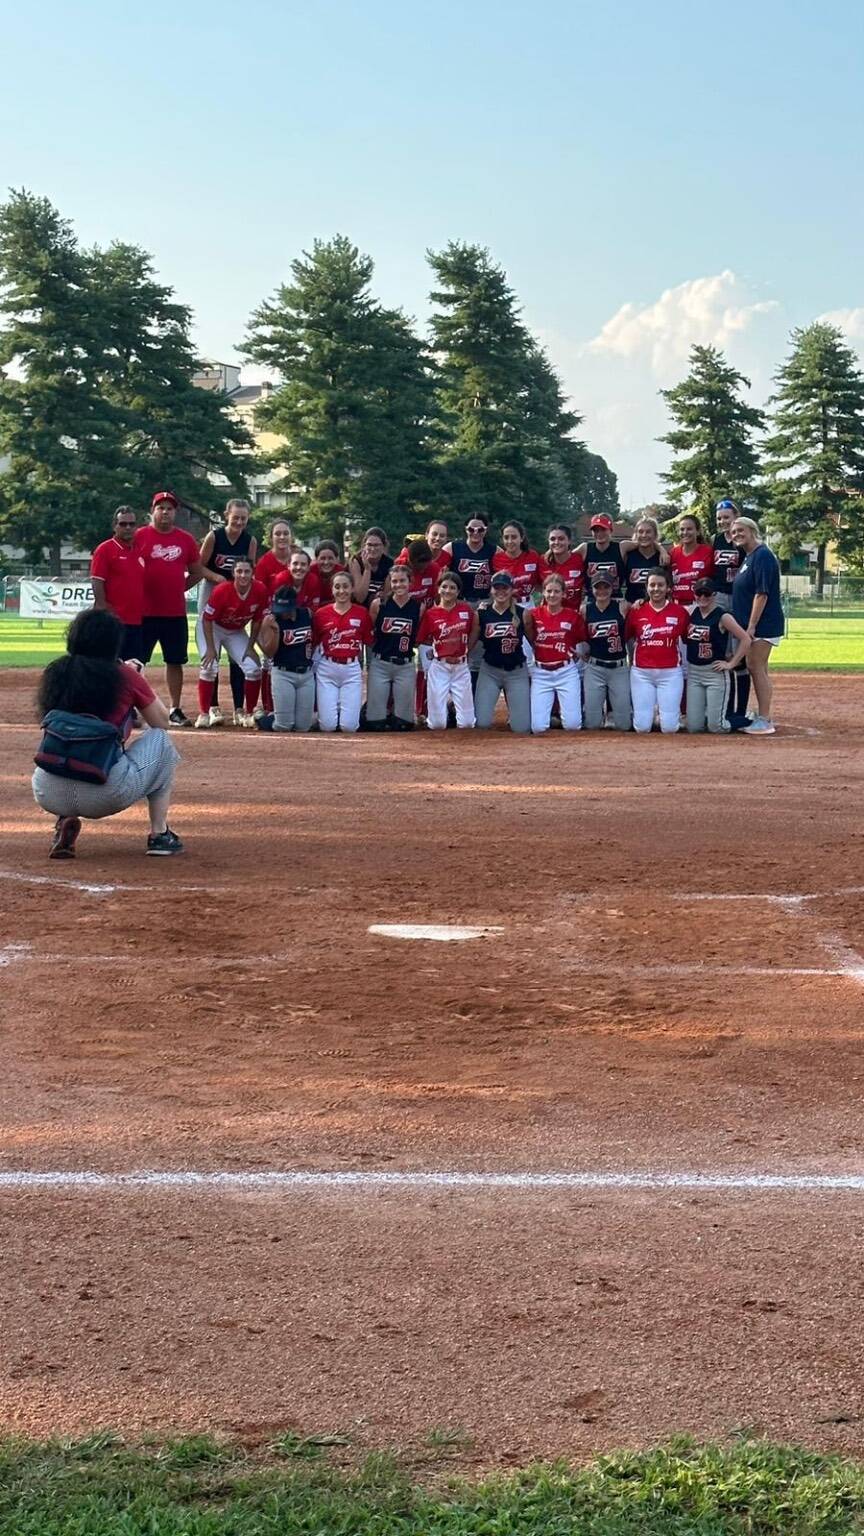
(342, 636)
(317, 589)
(273, 573)
(556, 635)
(572, 573)
(229, 610)
(168, 558)
(447, 631)
(689, 568)
(525, 568)
(657, 633)
(121, 567)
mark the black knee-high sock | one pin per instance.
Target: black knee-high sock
(237, 680)
(742, 690)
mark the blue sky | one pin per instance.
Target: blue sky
(648, 175)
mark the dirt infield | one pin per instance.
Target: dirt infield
(230, 1011)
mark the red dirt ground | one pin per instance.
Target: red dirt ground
(230, 1011)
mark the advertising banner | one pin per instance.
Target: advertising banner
(55, 599)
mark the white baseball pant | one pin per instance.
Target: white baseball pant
(444, 683)
(564, 684)
(235, 642)
(657, 688)
(340, 692)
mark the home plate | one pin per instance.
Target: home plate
(443, 933)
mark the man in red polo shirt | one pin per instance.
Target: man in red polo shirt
(171, 565)
(117, 575)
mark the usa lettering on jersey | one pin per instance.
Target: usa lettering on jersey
(301, 636)
(700, 634)
(505, 631)
(479, 569)
(606, 629)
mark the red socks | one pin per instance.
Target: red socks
(205, 695)
(251, 691)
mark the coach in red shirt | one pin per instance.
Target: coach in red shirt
(117, 575)
(171, 565)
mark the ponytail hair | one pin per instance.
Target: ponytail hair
(86, 681)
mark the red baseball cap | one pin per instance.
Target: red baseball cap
(169, 496)
(601, 521)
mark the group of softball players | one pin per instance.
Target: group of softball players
(605, 633)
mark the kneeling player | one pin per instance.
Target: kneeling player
(450, 627)
(558, 635)
(231, 606)
(286, 638)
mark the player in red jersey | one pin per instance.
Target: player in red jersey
(522, 563)
(274, 566)
(340, 629)
(450, 627)
(691, 559)
(317, 588)
(426, 566)
(558, 635)
(172, 565)
(117, 576)
(565, 561)
(231, 607)
(435, 536)
(656, 676)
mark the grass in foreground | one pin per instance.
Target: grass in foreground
(815, 643)
(201, 1487)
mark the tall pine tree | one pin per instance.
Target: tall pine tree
(97, 403)
(508, 445)
(174, 433)
(815, 448)
(353, 398)
(60, 436)
(712, 436)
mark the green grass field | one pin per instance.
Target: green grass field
(816, 642)
(201, 1487)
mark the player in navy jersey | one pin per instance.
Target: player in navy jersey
(395, 621)
(603, 554)
(643, 554)
(727, 560)
(706, 638)
(606, 679)
(286, 638)
(471, 558)
(221, 548)
(503, 668)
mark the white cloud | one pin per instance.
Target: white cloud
(849, 321)
(615, 379)
(705, 311)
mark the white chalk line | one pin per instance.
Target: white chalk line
(285, 1181)
(26, 953)
(91, 888)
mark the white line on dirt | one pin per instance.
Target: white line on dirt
(441, 933)
(90, 888)
(299, 1179)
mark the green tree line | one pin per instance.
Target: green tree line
(799, 465)
(378, 424)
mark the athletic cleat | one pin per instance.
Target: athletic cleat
(203, 723)
(216, 715)
(258, 711)
(237, 717)
(179, 720)
(247, 721)
(759, 726)
(164, 843)
(65, 837)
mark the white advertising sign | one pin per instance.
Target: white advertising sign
(54, 599)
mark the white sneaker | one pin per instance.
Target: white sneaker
(216, 715)
(258, 711)
(759, 727)
(247, 721)
(237, 717)
(203, 723)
